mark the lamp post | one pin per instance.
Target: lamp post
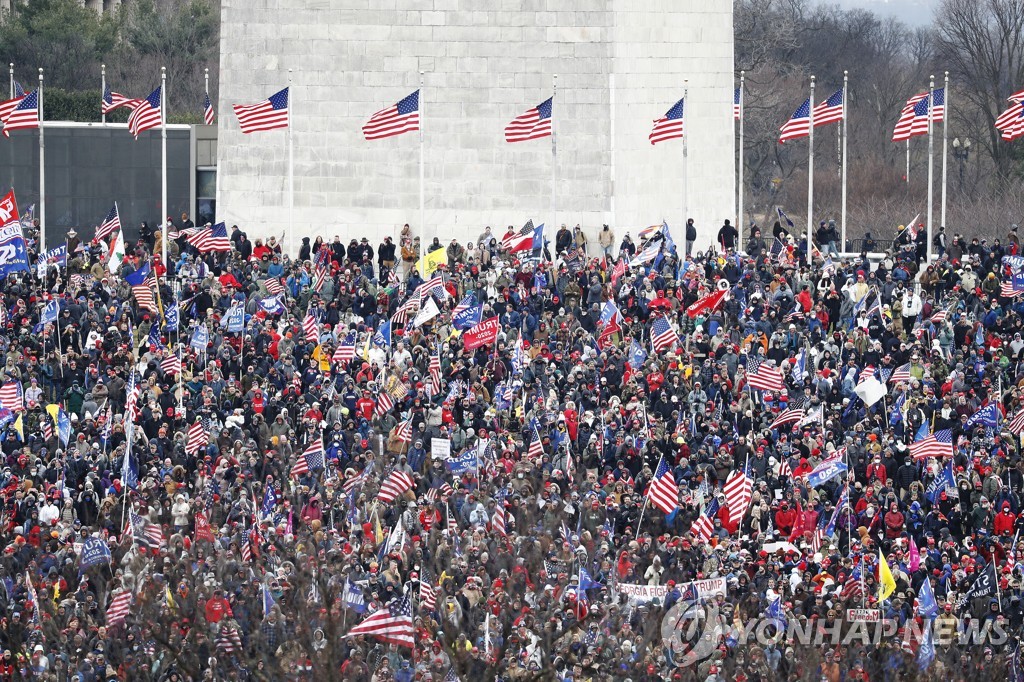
(961, 151)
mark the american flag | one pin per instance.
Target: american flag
(793, 413)
(309, 326)
(228, 639)
(170, 365)
(737, 111)
(669, 126)
(920, 124)
(131, 409)
(865, 374)
(435, 373)
(829, 111)
(799, 123)
(900, 374)
(274, 286)
(428, 596)
(662, 335)
(118, 609)
(384, 404)
(1017, 423)
(392, 624)
(207, 110)
(110, 224)
(938, 444)
(146, 115)
(143, 532)
(916, 106)
(739, 490)
(785, 471)
(11, 396)
(7, 106)
(532, 125)
(517, 240)
(210, 239)
(346, 350)
(498, 520)
(763, 377)
(246, 546)
(940, 316)
(705, 524)
(536, 450)
(25, 115)
(1014, 286)
(819, 533)
(403, 117)
(351, 484)
(144, 294)
(310, 460)
(47, 426)
(407, 309)
(404, 431)
(270, 114)
(777, 249)
(197, 438)
(115, 100)
(394, 485)
(663, 491)
(1010, 122)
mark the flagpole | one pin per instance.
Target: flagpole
(207, 88)
(686, 155)
(10, 78)
(908, 161)
(103, 90)
(945, 130)
(554, 164)
(740, 222)
(931, 159)
(846, 125)
(291, 165)
(810, 171)
(163, 168)
(42, 171)
(423, 220)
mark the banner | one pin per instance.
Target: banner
(863, 615)
(203, 531)
(429, 263)
(468, 317)
(708, 303)
(825, 472)
(13, 252)
(94, 551)
(705, 589)
(465, 462)
(482, 334)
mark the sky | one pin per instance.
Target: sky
(913, 12)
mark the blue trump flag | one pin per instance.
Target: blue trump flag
(943, 481)
(986, 416)
(269, 500)
(94, 552)
(927, 607)
(171, 317)
(825, 472)
(63, 426)
(13, 252)
(234, 319)
(463, 463)
(469, 316)
(382, 337)
(637, 354)
(200, 338)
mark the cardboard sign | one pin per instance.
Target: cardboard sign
(863, 615)
(440, 447)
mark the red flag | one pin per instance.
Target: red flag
(708, 303)
(611, 329)
(482, 334)
(203, 531)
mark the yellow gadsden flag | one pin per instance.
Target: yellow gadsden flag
(886, 583)
(429, 262)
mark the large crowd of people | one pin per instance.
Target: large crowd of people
(501, 462)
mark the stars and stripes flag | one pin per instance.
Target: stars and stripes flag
(829, 111)
(270, 114)
(536, 450)
(197, 438)
(7, 106)
(1017, 423)
(311, 459)
(392, 624)
(940, 316)
(120, 604)
(209, 239)
(143, 532)
(207, 110)
(24, 116)
(798, 125)
(131, 408)
(403, 117)
(793, 413)
(346, 350)
(115, 100)
(761, 376)
(144, 295)
(274, 286)
(669, 126)
(900, 374)
(110, 224)
(818, 537)
(352, 483)
(785, 470)
(705, 524)
(938, 444)
(498, 520)
(1014, 286)
(663, 337)
(434, 370)
(309, 326)
(147, 114)
(1011, 122)
(663, 491)
(428, 596)
(737, 111)
(396, 484)
(534, 124)
(384, 404)
(519, 241)
(228, 639)
(739, 490)
(12, 396)
(246, 546)
(170, 365)
(404, 431)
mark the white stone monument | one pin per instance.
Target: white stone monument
(620, 65)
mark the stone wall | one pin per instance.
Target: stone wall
(620, 64)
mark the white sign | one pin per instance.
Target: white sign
(863, 615)
(705, 589)
(440, 447)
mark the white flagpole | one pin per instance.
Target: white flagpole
(908, 161)
(846, 125)
(207, 76)
(945, 130)
(554, 164)
(103, 89)
(291, 165)
(163, 165)
(423, 219)
(686, 153)
(42, 170)
(931, 159)
(810, 172)
(10, 77)
(740, 221)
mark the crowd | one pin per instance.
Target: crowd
(507, 462)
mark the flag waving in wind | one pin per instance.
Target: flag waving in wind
(270, 114)
(147, 114)
(532, 125)
(669, 126)
(403, 117)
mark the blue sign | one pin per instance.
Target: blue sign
(13, 253)
(986, 416)
(234, 319)
(465, 462)
(94, 551)
(200, 338)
